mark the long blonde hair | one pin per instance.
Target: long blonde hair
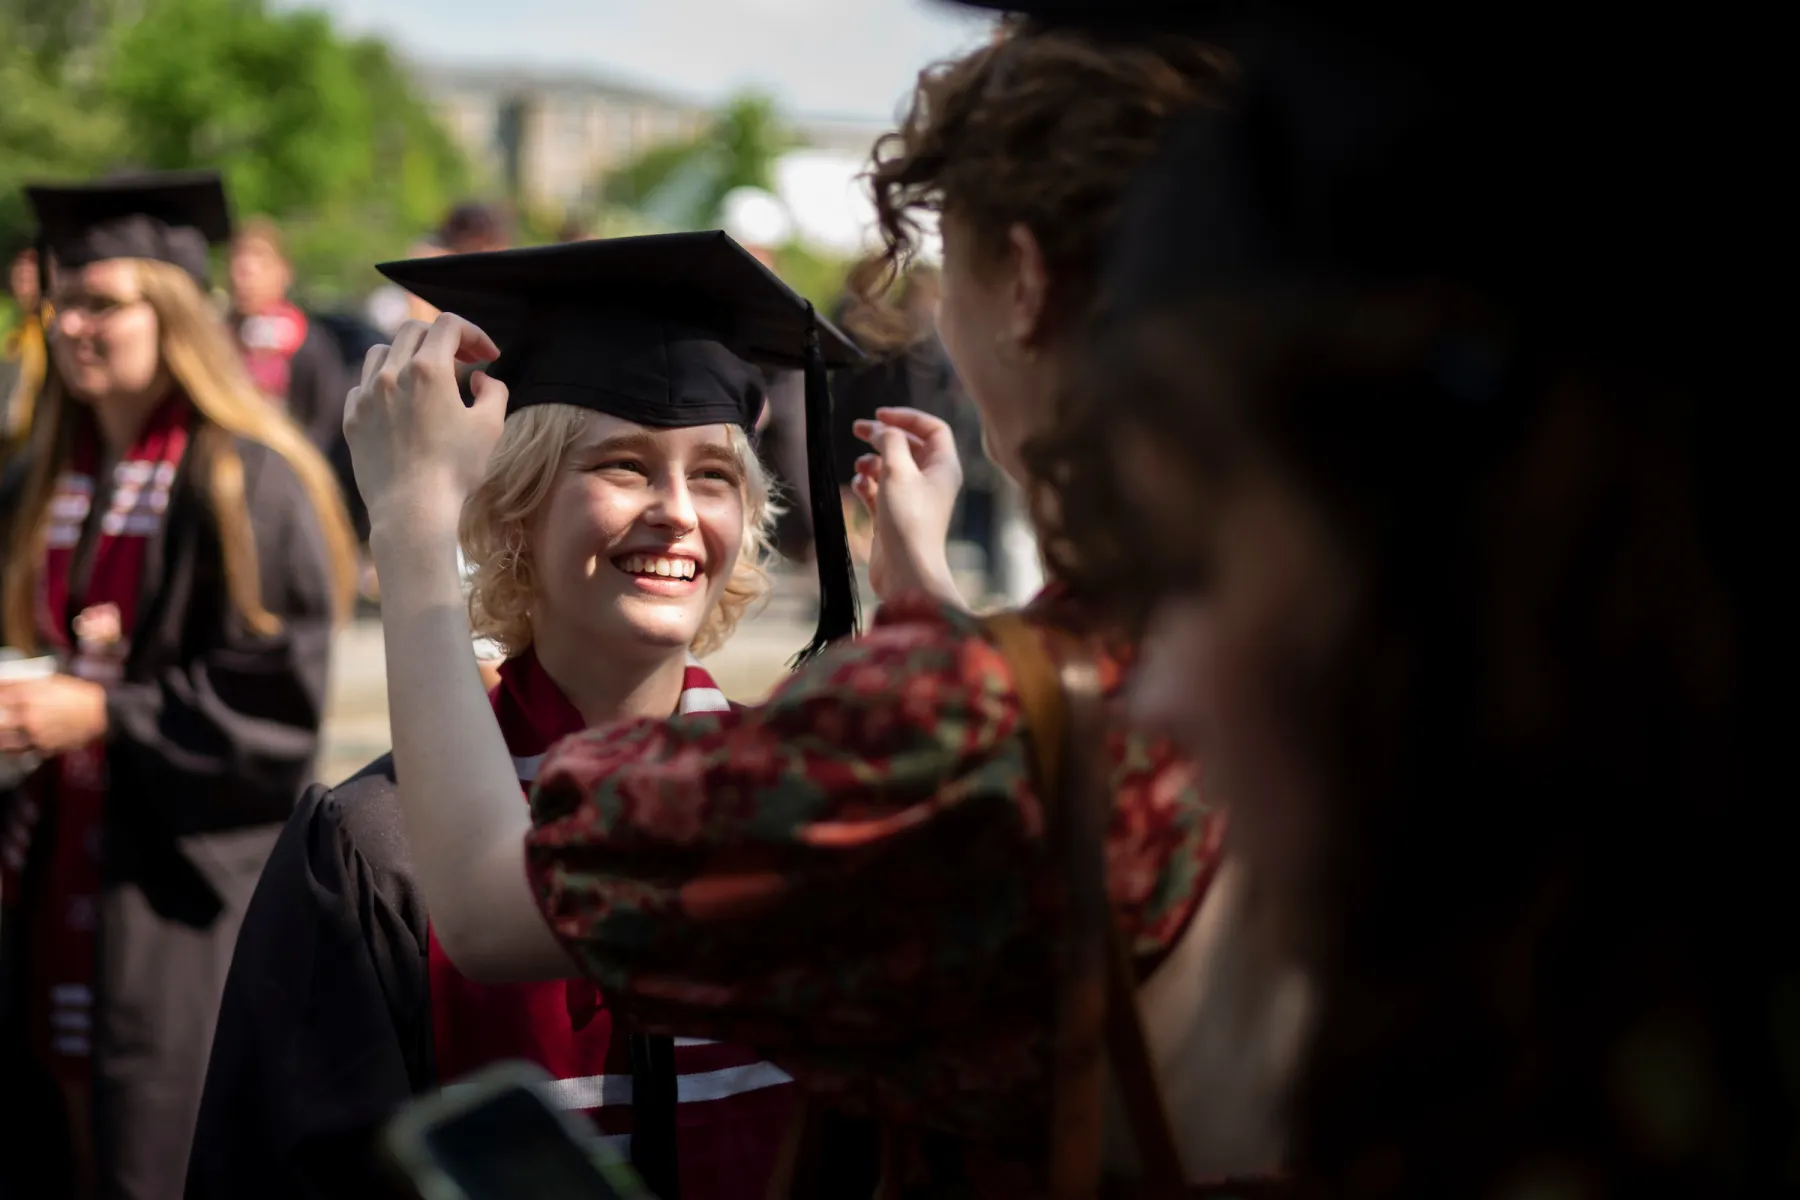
(498, 516)
(198, 352)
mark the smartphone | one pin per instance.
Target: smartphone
(497, 1136)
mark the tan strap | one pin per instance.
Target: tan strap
(1096, 993)
(1039, 686)
(797, 1159)
(1078, 830)
(1139, 1091)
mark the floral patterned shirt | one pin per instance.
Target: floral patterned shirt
(854, 876)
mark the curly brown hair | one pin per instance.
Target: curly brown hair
(1041, 127)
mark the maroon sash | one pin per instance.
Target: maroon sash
(269, 341)
(88, 622)
(732, 1107)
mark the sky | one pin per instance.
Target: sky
(850, 58)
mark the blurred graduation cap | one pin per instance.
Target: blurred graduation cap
(664, 330)
(169, 216)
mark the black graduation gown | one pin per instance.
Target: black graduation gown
(317, 388)
(325, 1028)
(212, 734)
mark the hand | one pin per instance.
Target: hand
(909, 486)
(417, 452)
(51, 716)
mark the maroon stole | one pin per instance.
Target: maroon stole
(88, 623)
(732, 1107)
(269, 341)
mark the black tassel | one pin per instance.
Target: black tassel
(654, 1094)
(831, 543)
(43, 281)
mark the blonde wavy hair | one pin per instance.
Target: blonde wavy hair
(198, 352)
(498, 517)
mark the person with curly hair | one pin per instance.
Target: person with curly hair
(1438, 496)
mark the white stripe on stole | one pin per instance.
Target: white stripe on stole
(701, 700)
(527, 767)
(693, 700)
(603, 1091)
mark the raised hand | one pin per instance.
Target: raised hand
(909, 486)
(417, 451)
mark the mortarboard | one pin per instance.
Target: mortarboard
(664, 330)
(170, 217)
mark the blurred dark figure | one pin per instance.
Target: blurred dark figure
(353, 337)
(1438, 489)
(758, 223)
(472, 227)
(574, 230)
(909, 368)
(22, 355)
(291, 360)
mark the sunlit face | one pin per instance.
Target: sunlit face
(106, 338)
(639, 534)
(974, 315)
(260, 276)
(1256, 601)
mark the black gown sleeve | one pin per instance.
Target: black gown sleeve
(317, 388)
(325, 1026)
(218, 727)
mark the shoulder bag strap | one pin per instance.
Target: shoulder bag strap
(1097, 1012)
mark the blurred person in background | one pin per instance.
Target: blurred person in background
(22, 355)
(382, 1013)
(1439, 494)
(182, 550)
(760, 223)
(292, 361)
(857, 877)
(470, 227)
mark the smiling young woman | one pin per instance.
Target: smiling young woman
(605, 552)
(616, 464)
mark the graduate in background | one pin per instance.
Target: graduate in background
(21, 352)
(621, 527)
(290, 358)
(182, 550)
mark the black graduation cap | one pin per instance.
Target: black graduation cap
(169, 216)
(663, 330)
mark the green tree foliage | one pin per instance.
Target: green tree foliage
(323, 133)
(681, 185)
(52, 123)
(818, 277)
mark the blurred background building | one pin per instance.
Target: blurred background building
(550, 139)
